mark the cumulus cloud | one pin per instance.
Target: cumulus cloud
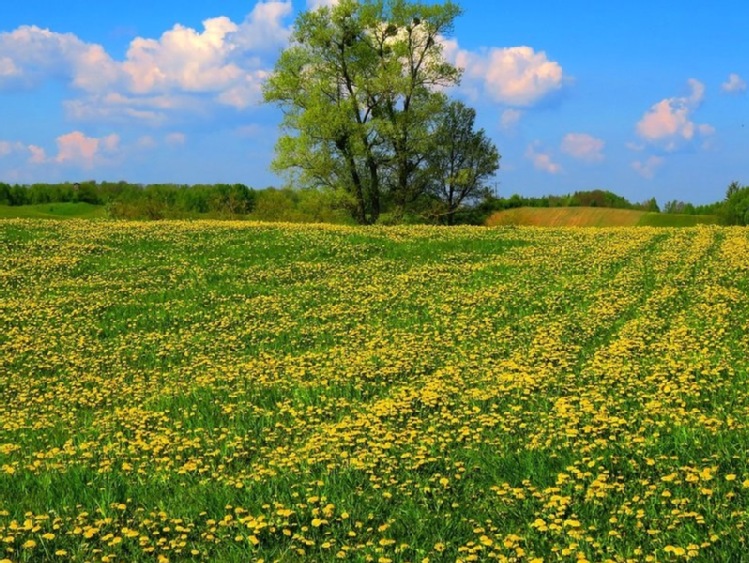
(182, 59)
(264, 29)
(80, 150)
(222, 64)
(513, 76)
(669, 122)
(733, 85)
(222, 59)
(31, 55)
(541, 160)
(583, 147)
(8, 68)
(647, 168)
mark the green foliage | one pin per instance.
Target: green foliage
(461, 160)
(301, 206)
(650, 205)
(4, 194)
(599, 198)
(359, 87)
(736, 205)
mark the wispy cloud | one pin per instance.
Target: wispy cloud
(176, 139)
(734, 85)
(10, 147)
(647, 168)
(510, 118)
(541, 160)
(16, 150)
(583, 147)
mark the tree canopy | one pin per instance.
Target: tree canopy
(362, 90)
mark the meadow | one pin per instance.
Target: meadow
(594, 217)
(236, 391)
(56, 210)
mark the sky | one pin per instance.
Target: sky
(646, 98)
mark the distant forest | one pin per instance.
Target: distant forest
(124, 200)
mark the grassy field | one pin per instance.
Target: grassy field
(677, 220)
(61, 210)
(593, 217)
(218, 391)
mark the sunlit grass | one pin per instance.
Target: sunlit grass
(64, 210)
(226, 391)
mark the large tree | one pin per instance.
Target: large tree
(461, 160)
(358, 87)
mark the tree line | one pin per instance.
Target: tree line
(136, 201)
(174, 201)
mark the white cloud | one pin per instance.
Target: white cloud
(9, 147)
(264, 29)
(79, 150)
(154, 110)
(583, 146)
(697, 91)
(146, 142)
(15, 149)
(246, 92)
(74, 149)
(8, 67)
(636, 147)
(513, 76)
(541, 160)
(183, 59)
(184, 71)
(669, 122)
(32, 54)
(315, 4)
(38, 155)
(510, 118)
(647, 168)
(733, 85)
(176, 139)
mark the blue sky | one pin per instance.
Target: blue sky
(643, 98)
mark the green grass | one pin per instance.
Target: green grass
(677, 220)
(395, 393)
(64, 210)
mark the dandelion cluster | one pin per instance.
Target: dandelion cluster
(228, 391)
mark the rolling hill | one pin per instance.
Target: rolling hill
(593, 217)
